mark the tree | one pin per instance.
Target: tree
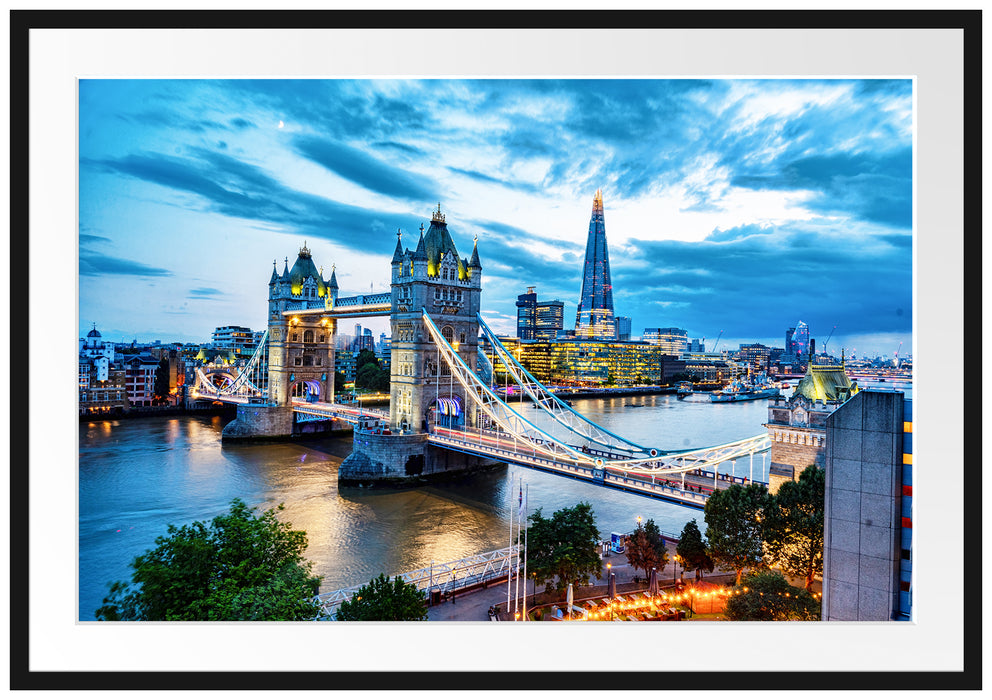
(691, 550)
(382, 599)
(565, 548)
(766, 596)
(645, 549)
(237, 567)
(161, 389)
(794, 525)
(368, 374)
(734, 526)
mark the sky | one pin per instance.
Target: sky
(733, 208)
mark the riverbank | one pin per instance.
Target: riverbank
(158, 411)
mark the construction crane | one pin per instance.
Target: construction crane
(897, 355)
(828, 339)
(716, 341)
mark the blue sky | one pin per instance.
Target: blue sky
(740, 206)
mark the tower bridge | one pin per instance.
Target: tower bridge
(444, 413)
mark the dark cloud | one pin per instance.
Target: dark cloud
(748, 284)
(240, 124)
(93, 265)
(239, 189)
(361, 168)
(490, 180)
(874, 187)
(402, 147)
(205, 293)
(86, 239)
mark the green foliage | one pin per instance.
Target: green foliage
(385, 600)
(339, 381)
(368, 374)
(365, 357)
(161, 389)
(237, 567)
(691, 550)
(766, 596)
(563, 549)
(793, 525)
(734, 526)
(645, 549)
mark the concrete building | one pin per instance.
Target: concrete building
(867, 558)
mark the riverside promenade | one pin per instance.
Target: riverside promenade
(473, 606)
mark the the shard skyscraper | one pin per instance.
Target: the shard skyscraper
(594, 318)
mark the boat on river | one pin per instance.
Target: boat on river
(683, 389)
(745, 390)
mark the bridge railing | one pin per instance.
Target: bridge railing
(446, 578)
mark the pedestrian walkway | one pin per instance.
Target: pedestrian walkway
(473, 606)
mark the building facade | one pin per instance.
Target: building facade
(756, 355)
(101, 378)
(594, 316)
(623, 328)
(592, 362)
(237, 338)
(868, 524)
(537, 320)
(672, 340)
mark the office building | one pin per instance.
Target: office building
(537, 320)
(623, 328)
(672, 340)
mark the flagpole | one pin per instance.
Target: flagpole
(509, 555)
(524, 616)
(516, 598)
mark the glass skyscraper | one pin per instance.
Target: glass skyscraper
(594, 318)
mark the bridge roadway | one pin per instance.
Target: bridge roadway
(488, 443)
(700, 483)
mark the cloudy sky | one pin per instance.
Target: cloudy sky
(741, 206)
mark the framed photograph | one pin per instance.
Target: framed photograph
(262, 193)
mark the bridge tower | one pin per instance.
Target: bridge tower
(301, 350)
(432, 277)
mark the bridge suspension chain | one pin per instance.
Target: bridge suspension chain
(540, 441)
(242, 385)
(558, 410)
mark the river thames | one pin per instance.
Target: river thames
(136, 476)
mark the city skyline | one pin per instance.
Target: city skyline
(734, 206)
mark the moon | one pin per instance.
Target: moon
(281, 125)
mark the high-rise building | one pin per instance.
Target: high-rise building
(538, 320)
(550, 319)
(674, 341)
(800, 340)
(594, 317)
(527, 314)
(623, 328)
(789, 350)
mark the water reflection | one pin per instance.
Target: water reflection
(136, 476)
